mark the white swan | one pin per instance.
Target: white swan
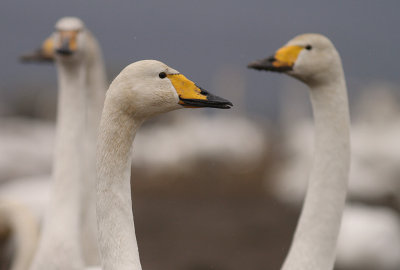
(141, 90)
(69, 226)
(20, 139)
(313, 59)
(19, 221)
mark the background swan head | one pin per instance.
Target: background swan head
(148, 87)
(68, 43)
(69, 38)
(311, 58)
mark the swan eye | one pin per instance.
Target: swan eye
(162, 75)
(308, 47)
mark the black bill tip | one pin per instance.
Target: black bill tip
(64, 51)
(36, 57)
(212, 101)
(268, 65)
(200, 103)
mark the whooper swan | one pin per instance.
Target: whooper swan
(142, 90)
(69, 226)
(313, 59)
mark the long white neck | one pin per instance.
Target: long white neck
(314, 243)
(96, 89)
(117, 239)
(59, 247)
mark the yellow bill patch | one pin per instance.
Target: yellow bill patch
(185, 88)
(47, 48)
(286, 56)
(69, 37)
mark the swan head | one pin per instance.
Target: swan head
(311, 58)
(68, 37)
(66, 43)
(149, 87)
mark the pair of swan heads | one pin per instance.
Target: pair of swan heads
(149, 87)
(307, 57)
(67, 43)
(144, 88)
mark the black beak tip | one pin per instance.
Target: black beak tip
(65, 52)
(255, 65)
(268, 65)
(219, 102)
(227, 105)
(35, 57)
(263, 64)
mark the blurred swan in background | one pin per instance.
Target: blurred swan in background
(142, 90)
(20, 140)
(313, 59)
(18, 223)
(82, 87)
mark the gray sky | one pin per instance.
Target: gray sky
(206, 38)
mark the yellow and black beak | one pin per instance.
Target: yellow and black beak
(44, 54)
(192, 96)
(65, 45)
(282, 61)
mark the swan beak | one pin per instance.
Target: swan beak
(283, 60)
(192, 96)
(68, 43)
(44, 54)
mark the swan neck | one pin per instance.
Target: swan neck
(314, 243)
(64, 207)
(116, 231)
(96, 89)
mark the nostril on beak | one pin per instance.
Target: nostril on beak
(203, 92)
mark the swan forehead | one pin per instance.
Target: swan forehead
(146, 68)
(316, 40)
(69, 24)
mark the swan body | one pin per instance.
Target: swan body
(18, 219)
(33, 192)
(143, 89)
(313, 59)
(81, 88)
(20, 140)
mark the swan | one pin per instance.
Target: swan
(18, 219)
(20, 139)
(69, 225)
(89, 61)
(142, 90)
(313, 59)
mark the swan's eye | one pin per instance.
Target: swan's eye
(162, 75)
(308, 47)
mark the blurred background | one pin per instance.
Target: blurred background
(231, 199)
